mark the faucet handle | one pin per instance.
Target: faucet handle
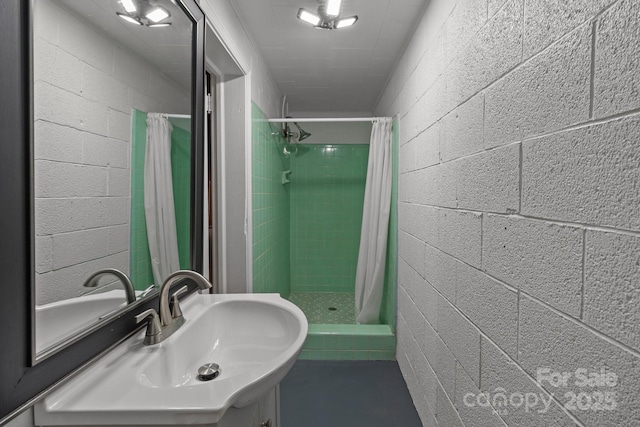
(153, 327)
(176, 312)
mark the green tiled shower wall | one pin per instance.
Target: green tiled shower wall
(327, 194)
(306, 235)
(270, 205)
(140, 262)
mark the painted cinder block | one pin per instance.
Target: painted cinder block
(57, 143)
(65, 215)
(77, 113)
(79, 246)
(422, 151)
(435, 185)
(119, 182)
(540, 258)
(612, 285)
(547, 93)
(491, 306)
(463, 130)
(547, 21)
(461, 337)
(466, 398)
(101, 87)
(548, 340)
(446, 412)
(420, 221)
(501, 376)
(119, 125)
(617, 70)
(466, 19)
(57, 179)
(490, 181)
(85, 43)
(411, 250)
(441, 271)
(494, 50)
(43, 254)
(588, 175)
(102, 151)
(56, 67)
(118, 238)
(460, 235)
(421, 292)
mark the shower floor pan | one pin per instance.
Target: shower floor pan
(333, 332)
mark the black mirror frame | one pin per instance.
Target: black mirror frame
(22, 382)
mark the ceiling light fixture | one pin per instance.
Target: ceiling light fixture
(309, 17)
(333, 7)
(128, 6)
(327, 17)
(142, 12)
(157, 14)
(129, 18)
(346, 22)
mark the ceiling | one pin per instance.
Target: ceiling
(330, 71)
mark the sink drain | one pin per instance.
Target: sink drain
(208, 371)
(332, 309)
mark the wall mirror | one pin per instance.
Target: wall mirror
(81, 81)
(101, 69)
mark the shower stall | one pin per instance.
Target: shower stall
(307, 207)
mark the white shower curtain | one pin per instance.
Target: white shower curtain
(158, 199)
(375, 224)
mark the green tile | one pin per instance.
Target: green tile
(315, 342)
(360, 355)
(361, 342)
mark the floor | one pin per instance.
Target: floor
(346, 394)
(326, 307)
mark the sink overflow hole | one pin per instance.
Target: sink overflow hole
(332, 309)
(208, 372)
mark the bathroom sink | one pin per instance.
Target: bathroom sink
(254, 338)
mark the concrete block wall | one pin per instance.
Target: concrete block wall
(84, 89)
(519, 232)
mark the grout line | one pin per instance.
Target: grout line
(520, 180)
(593, 69)
(524, 26)
(481, 241)
(584, 264)
(518, 326)
(480, 363)
(592, 227)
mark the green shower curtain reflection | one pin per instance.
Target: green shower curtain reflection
(140, 259)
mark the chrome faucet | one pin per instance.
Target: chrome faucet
(93, 280)
(161, 326)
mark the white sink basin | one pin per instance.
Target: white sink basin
(255, 338)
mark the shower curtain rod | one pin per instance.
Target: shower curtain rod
(178, 116)
(322, 119)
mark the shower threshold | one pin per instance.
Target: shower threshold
(333, 332)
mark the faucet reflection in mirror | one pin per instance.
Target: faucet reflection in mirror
(160, 327)
(92, 282)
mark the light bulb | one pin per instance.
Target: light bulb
(309, 17)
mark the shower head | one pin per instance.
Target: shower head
(303, 134)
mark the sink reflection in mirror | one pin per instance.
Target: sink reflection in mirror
(96, 78)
